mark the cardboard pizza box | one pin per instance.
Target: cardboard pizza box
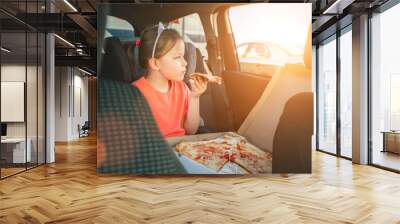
(193, 167)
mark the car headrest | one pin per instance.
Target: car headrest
(191, 58)
(199, 62)
(194, 61)
(115, 64)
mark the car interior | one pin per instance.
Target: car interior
(223, 108)
(246, 103)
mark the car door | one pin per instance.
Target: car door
(244, 80)
(254, 47)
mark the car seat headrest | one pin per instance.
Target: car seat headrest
(191, 58)
(115, 64)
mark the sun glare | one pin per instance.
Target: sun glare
(283, 24)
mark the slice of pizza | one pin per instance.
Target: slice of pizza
(247, 155)
(253, 159)
(209, 77)
(208, 153)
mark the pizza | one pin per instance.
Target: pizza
(209, 153)
(209, 77)
(232, 148)
(252, 159)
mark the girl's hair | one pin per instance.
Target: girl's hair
(165, 43)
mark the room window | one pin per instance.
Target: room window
(385, 89)
(327, 96)
(346, 94)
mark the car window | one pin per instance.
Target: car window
(253, 50)
(120, 28)
(191, 29)
(262, 43)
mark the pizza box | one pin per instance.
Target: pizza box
(260, 127)
(193, 167)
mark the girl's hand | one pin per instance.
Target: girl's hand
(198, 86)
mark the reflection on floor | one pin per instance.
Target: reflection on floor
(70, 191)
(387, 159)
(11, 169)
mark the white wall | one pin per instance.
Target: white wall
(13, 73)
(61, 103)
(71, 93)
(12, 101)
(79, 111)
(33, 127)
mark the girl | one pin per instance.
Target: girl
(174, 107)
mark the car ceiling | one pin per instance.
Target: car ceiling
(138, 15)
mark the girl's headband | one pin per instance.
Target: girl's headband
(160, 29)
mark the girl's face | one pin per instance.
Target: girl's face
(172, 65)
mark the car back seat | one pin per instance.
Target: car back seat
(129, 140)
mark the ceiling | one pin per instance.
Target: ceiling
(76, 22)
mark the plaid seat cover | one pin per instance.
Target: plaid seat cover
(129, 140)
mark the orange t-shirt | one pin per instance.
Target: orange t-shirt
(169, 109)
